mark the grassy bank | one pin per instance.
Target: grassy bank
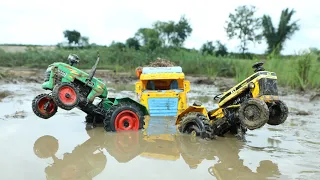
(295, 71)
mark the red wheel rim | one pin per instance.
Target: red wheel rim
(126, 120)
(41, 105)
(67, 95)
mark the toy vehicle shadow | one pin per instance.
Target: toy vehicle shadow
(88, 159)
(250, 104)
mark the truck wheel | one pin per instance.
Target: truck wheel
(65, 95)
(253, 113)
(124, 117)
(278, 113)
(196, 124)
(44, 106)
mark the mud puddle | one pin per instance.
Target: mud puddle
(61, 147)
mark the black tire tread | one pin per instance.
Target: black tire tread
(206, 130)
(274, 121)
(264, 116)
(35, 106)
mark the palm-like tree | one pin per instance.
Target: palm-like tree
(276, 37)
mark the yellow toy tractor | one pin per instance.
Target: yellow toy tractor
(249, 105)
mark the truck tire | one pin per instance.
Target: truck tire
(278, 113)
(65, 95)
(253, 113)
(123, 117)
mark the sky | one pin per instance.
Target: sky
(103, 21)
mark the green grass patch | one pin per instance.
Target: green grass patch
(299, 71)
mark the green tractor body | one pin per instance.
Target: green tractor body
(73, 88)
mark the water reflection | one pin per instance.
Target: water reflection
(87, 160)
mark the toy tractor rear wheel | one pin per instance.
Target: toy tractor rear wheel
(196, 124)
(278, 113)
(44, 106)
(65, 95)
(253, 113)
(124, 117)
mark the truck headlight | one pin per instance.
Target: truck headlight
(251, 85)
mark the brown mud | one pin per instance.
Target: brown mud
(61, 147)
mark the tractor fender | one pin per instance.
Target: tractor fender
(127, 99)
(200, 109)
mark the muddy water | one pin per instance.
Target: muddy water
(61, 148)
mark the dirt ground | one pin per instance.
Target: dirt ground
(61, 147)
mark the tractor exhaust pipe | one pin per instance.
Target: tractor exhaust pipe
(93, 70)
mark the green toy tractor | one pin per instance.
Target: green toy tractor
(72, 88)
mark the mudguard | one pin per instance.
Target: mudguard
(201, 109)
(127, 99)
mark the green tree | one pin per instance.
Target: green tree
(133, 43)
(276, 38)
(207, 48)
(84, 41)
(183, 30)
(166, 31)
(173, 34)
(149, 38)
(118, 45)
(221, 49)
(72, 36)
(243, 25)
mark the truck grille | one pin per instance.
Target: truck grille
(268, 86)
(47, 76)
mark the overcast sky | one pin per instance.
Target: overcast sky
(43, 22)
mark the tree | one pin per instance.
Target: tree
(244, 26)
(84, 41)
(133, 43)
(207, 48)
(149, 38)
(166, 31)
(72, 36)
(173, 34)
(183, 30)
(276, 37)
(221, 50)
(118, 45)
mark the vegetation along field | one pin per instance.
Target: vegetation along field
(166, 39)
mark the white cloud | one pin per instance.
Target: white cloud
(42, 22)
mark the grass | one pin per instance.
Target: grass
(4, 94)
(299, 72)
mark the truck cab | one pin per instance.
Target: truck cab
(163, 90)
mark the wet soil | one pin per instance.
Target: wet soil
(62, 148)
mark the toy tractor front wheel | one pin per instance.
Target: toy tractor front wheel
(124, 117)
(44, 106)
(278, 113)
(66, 96)
(253, 113)
(196, 124)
